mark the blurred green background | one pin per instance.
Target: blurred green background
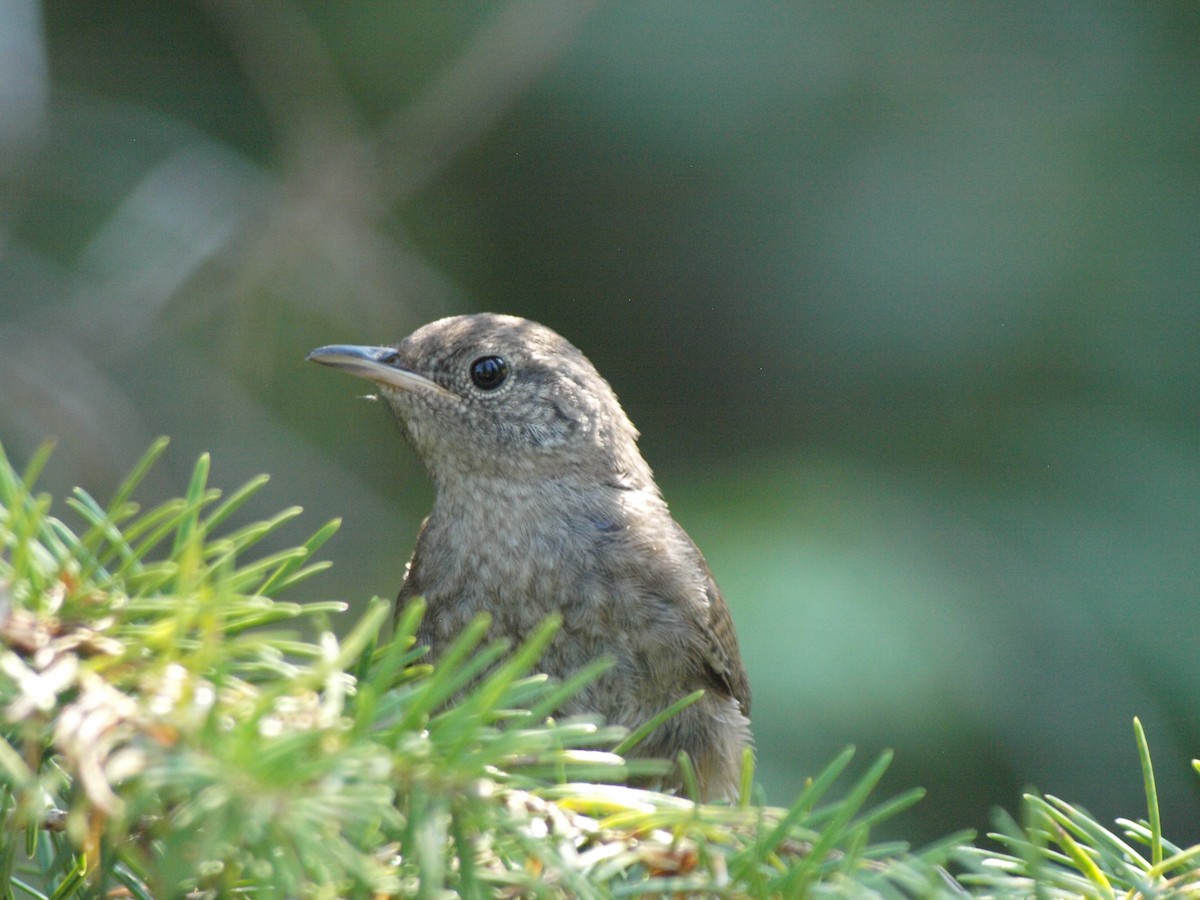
(903, 297)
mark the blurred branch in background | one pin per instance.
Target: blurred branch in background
(24, 96)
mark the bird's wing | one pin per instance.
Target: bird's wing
(724, 660)
(726, 671)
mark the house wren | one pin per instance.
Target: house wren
(544, 505)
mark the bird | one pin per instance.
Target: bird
(545, 506)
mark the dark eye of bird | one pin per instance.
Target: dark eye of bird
(489, 372)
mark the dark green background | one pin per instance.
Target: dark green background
(903, 297)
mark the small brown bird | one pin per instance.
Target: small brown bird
(544, 505)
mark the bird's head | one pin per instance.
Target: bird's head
(491, 395)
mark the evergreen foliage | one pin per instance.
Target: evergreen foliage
(168, 729)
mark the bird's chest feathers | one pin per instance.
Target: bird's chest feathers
(518, 552)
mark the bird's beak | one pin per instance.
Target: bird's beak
(376, 364)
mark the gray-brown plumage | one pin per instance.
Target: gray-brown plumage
(545, 505)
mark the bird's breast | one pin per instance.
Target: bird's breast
(519, 552)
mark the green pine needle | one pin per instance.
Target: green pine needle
(172, 727)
